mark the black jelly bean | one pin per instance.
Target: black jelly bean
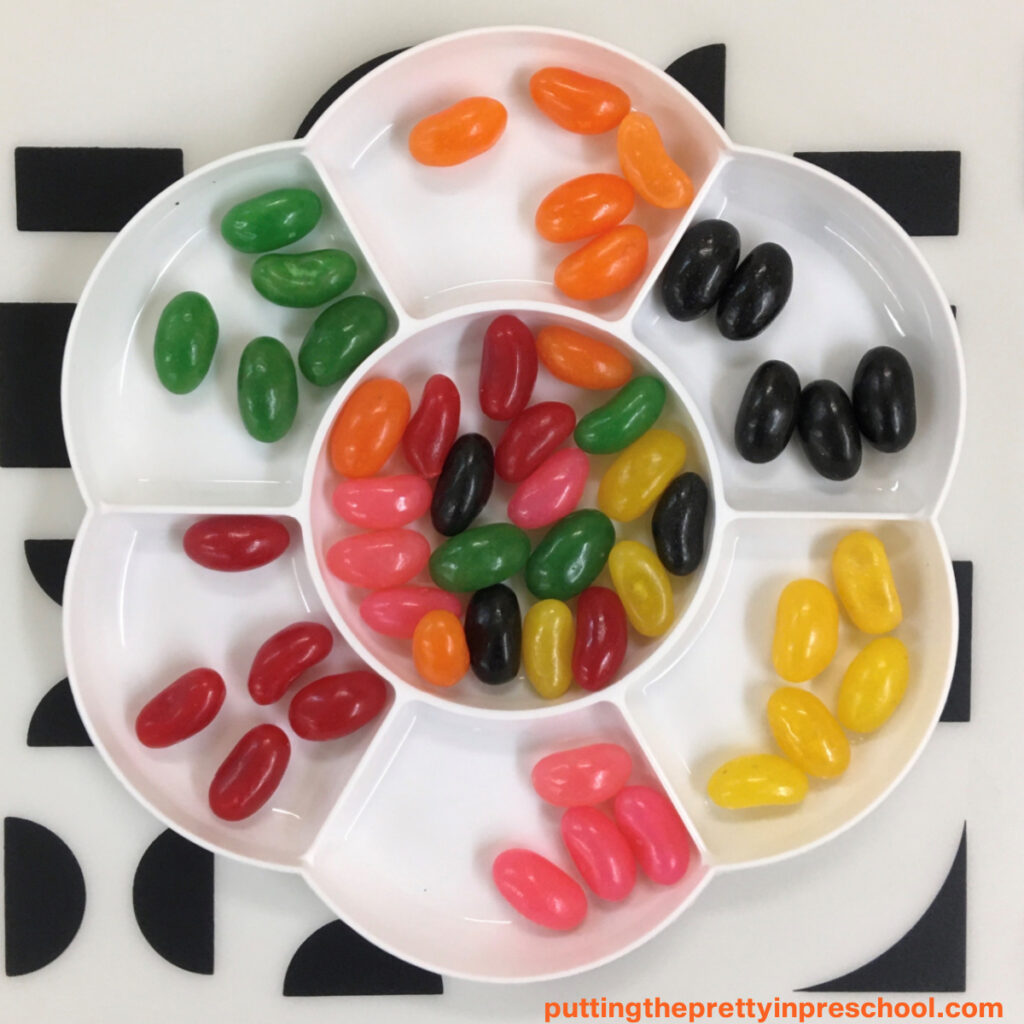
(678, 524)
(829, 430)
(767, 412)
(755, 294)
(494, 634)
(883, 399)
(699, 267)
(464, 484)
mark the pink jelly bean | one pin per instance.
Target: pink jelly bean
(654, 830)
(551, 491)
(600, 852)
(539, 890)
(385, 558)
(396, 612)
(382, 502)
(584, 775)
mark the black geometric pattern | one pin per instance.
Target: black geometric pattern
(56, 722)
(958, 703)
(48, 563)
(702, 73)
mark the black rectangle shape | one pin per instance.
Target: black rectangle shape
(958, 703)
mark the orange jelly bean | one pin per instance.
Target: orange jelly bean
(581, 360)
(369, 427)
(648, 168)
(606, 265)
(583, 207)
(577, 102)
(462, 131)
(439, 648)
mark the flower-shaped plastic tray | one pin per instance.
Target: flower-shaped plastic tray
(396, 825)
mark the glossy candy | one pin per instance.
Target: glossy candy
(628, 415)
(604, 266)
(459, 132)
(235, 543)
(571, 555)
(806, 631)
(700, 265)
(251, 773)
(551, 491)
(335, 706)
(340, 338)
(301, 280)
(464, 485)
(582, 360)
(755, 293)
(433, 427)
(864, 583)
(283, 657)
(479, 557)
(508, 368)
(601, 638)
(548, 635)
(539, 890)
(577, 102)
(378, 560)
(655, 832)
(807, 733)
(531, 437)
(271, 220)
(643, 586)
(883, 399)
(268, 389)
(185, 341)
(182, 709)
(766, 417)
(647, 166)
(678, 524)
(582, 775)
(382, 502)
(757, 780)
(600, 852)
(828, 430)
(395, 612)
(439, 648)
(874, 685)
(583, 207)
(369, 427)
(494, 634)
(636, 479)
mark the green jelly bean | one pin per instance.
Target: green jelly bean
(186, 337)
(268, 389)
(303, 279)
(619, 422)
(341, 337)
(271, 220)
(571, 555)
(479, 557)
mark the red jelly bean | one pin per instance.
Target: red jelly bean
(583, 775)
(551, 491)
(396, 612)
(284, 657)
(602, 633)
(655, 831)
(335, 706)
(508, 368)
(531, 437)
(539, 890)
(382, 502)
(235, 543)
(386, 558)
(433, 427)
(182, 709)
(600, 852)
(250, 773)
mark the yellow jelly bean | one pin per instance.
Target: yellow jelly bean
(807, 733)
(548, 636)
(635, 480)
(806, 630)
(874, 685)
(864, 581)
(757, 780)
(643, 587)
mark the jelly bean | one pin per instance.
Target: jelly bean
(301, 280)
(874, 685)
(643, 586)
(767, 414)
(807, 733)
(385, 558)
(494, 634)
(508, 368)
(551, 491)
(548, 634)
(248, 776)
(582, 776)
(459, 132)
(182, 709)
(600, 852)
(268, 389)
(828, 430)
(382, 502)
(433, 427)
(623, 419)
(635, 480)
(341, 337)
(577, 102)
(235, 543)
(186, 338)
(583, 207)
(608, 264)
(479, 557)
(655, 832)
(678, 524)
(464, 485)
(806, 631)
(601, 638)
(700, 265)
(272, 220)
(883, 399)
(582, 360)
(571, 555)
(439, 649)
(531, 437)
(864, 583)
(755, 293)
(648, 167)
(369, 427)
(396, 611)
(539, 890)
(757, 780)
(284, 657)
(337, 705)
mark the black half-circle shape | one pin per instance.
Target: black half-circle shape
(702, 72)
(44, 896)
(958, 703)
(48, 562)
(56, 722)
(173, 900)
(336, 961)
